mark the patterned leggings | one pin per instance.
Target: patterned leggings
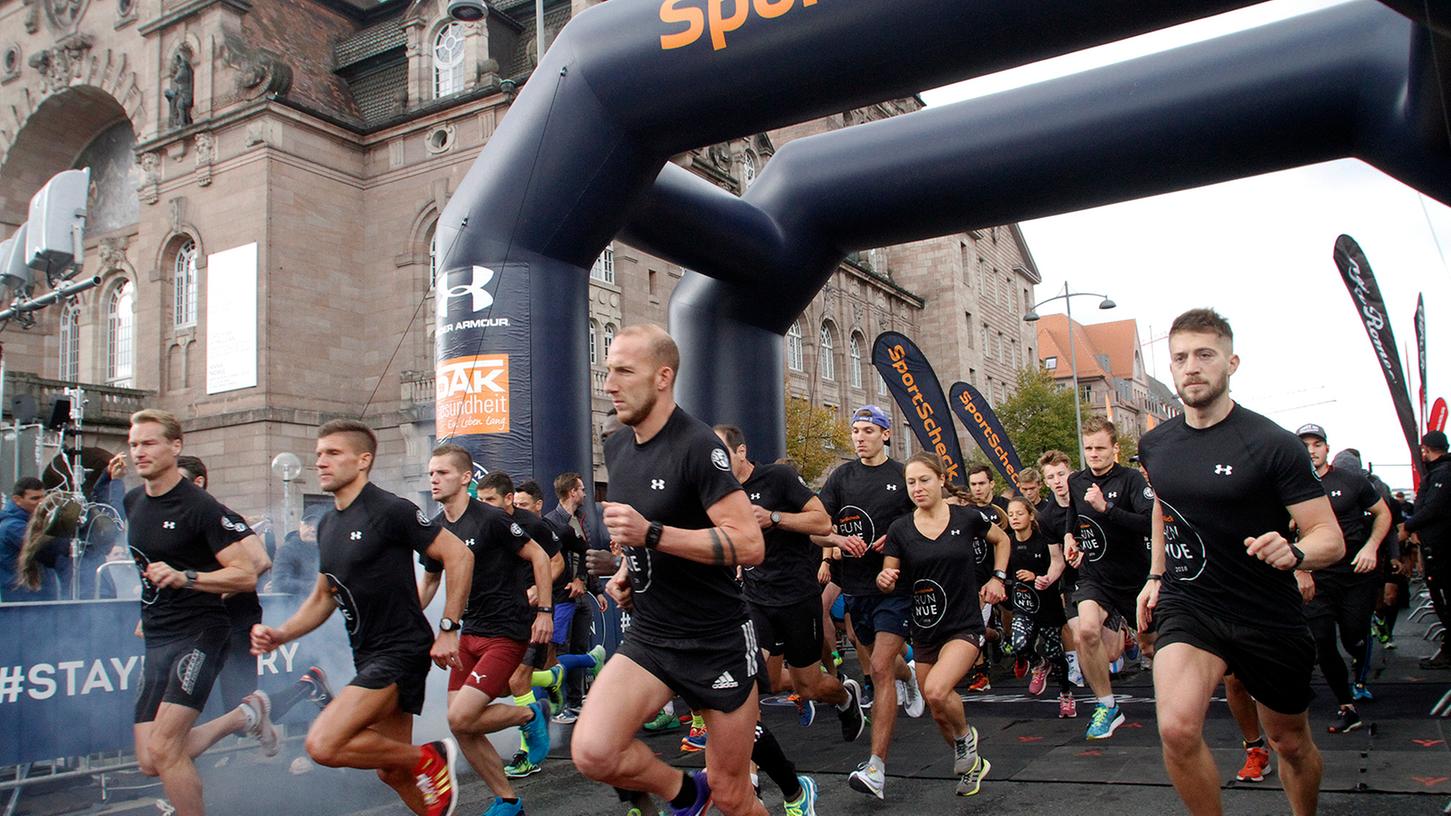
(1031, 640)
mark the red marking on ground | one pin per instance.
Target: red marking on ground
(1431, 781)
(1091, 752)
(1132, 725)
(1030, 739)
(1425, 743)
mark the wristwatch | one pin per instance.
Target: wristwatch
(548, 609)
(652, 535)
(1299, 556)
(447, 624)
(190, 578)
(1000, 575)
(775, 519)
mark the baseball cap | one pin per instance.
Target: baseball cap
(876, 416)
(1435, 440)
(1312, 430)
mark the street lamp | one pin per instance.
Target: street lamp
(1032, 317)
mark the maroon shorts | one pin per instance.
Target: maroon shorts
(488, 663)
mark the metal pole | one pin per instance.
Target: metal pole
(538, 32)
(1073, 366)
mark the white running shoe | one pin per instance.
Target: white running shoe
(912, 696)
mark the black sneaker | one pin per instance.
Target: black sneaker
(852, 719)
(315, 681)
(1346, 720)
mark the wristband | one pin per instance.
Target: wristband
(1154, 576)
(652, 535)
(190, 578)
(1299, 556)
(548, 609)
(1000, 575)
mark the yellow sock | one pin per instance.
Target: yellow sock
(696, 721)
(541, 679)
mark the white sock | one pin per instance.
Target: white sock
(876, 762)
(670, 708)
(1106, 702)
(251, 715)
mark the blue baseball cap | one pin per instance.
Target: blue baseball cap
(874, 415)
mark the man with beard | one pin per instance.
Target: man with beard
(1430, 527)
(1221, 589)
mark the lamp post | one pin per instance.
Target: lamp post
(1032, 317)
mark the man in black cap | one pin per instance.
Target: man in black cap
(1430, 527)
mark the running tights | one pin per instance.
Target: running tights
(1030, 640)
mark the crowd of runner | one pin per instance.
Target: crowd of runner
(1231, 551)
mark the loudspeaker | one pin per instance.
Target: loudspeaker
(57, 221)
(60, 414)
(14, 274)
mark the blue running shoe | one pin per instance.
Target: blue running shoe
(536, 732)
(502, 808)
(1105, 721)
(805, 805)
(702, 797)
(1360, 692)
(805, 709)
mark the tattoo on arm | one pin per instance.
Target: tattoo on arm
(716, 550)
(732, 545)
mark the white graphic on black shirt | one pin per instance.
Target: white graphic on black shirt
(980, 549)
(148, 589)
(854, 521)
(189, 668)
(1025, 598)
(236, 526)
(1182, 545)
(929, 603)
(718, 458)
(1091, 539)
(344, 599)
(640, 562)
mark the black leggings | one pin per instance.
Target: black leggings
(1437, 559)
(1342, 605)
(1028, 636)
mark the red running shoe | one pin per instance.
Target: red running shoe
(435, 777)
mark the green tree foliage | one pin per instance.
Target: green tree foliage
(816, 438)
(1039, 417)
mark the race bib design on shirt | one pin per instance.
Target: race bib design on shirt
(854, 521)
(640, 562)
(1185, 551)
(346, 605)
(148, 589)
(1091, 539)
(929, 602)
(1025, 598)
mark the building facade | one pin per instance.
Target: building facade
(1112, 379)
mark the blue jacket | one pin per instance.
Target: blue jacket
(12, 534)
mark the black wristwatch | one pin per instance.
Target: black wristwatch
(548, 609)
(775, 519)
(190, 578)
(1000, 575)
(652, 535)
(1299, 556)
(447, 624)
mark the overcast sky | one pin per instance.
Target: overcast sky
(1259, 251)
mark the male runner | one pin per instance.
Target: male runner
(498, 624)
(1221, 592)
(1030, 485)
(365, 568)
(684, 524)
(190, 551)
(783, 594)
(980, 490)
(864, 496)
(980, 496)
(1344, 593)
(582, 589)
(1429, 527)
(1108, 524)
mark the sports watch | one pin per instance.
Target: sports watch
(190, 578)
(1000, 575)
(447, 624)
(775, 518)
(1299, 556)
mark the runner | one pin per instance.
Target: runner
(980, 489)
(1108, 524)
(366, 570)
(1030, 486)
(684, 525)
(1221, 591)
(864, 496)
(927, 551)
(1053, 520)
(782, 591)
(1033, 570)
(979, 495)
(1343, 594)
(190, 550)
(583, 593)
(498, 625)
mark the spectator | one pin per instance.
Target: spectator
(1430, 527)
(23, 500)
(295, 570)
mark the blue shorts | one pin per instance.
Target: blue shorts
(870, 614)
(563, 620)
(838, 608)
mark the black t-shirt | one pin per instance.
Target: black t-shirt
(366, 554)
(865, 500)
(674, 478)
(572, 550)
(1219, 486)
(1032, 555)
(996, 513)
(1053, 520)
(983, 552)
(545, 536)
(497, 603)
(943, 585)
(185, 527)
(1114, 542)
(788, 575)
(1351, 496)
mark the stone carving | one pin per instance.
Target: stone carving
(59, 65)
(112, 254)
(259, 72)
(179, 95)
(149, 164)
(205, 155)
(63, 14)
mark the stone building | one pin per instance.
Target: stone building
(266, 175)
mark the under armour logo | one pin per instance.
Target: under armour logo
(657, 484)
(956, 532)
(1224, 470)
(469, 543)
(755, 497)
(168, 525)
(891, 487)
(356, 535)
(1113, 495)
(1335, 493)
(482, 299)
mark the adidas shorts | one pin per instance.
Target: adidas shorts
(181, 671)
(717, 673)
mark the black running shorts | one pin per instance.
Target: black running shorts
(181, 670)
(924, 652)
(717, 674)
(870, 614)
(1273, 663)
(1118, 605)
(793, 631)
(407, 671)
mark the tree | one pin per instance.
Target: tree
(816, 438)
(1039, 417)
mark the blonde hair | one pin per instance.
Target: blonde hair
(167, 420)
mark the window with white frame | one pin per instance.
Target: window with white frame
(604, 266)
(120, 334)
(432, 256)
(748, 169)
(793, 347)
(70, 343)
(184, 285)
(594, 343)
(856, 360)
(828, 353)
(448, 60)
(881, 385)
(609, 337)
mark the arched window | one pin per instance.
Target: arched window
(70, 343)
(793, 347)
(856, 360)
(828, 353)
(594, 343)
(604, 266)
(184, 285)
(120, 330)
(748, 169)
(609, 337)
(448, 60)
(432, 255)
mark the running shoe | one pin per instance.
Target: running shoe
(520, 767)
(853, 721)
(1131, 646)
(598, 654)
(694, 741)
(318, 691)
(868, 779)
(980, 683)
(1075, 674)
(566, 716)
(1116, 666)
(536, 733)
(1360, 692)
(1067, 707)
(1106, 720)
(1379, 629)
(502, 808)
(835, 659)
(1039, 680)
(434, 776)
(971, 782)
(805, 804)
(1021, 667)
(1389, 645)
(556, 689)
(805, 710)
(702, 797)
(964, 753)
(664, 721)
(1345, 720)
(912, 701)
(262, 727)
(869, 694)
(1256, 765)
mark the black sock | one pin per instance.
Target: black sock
(1257, 743)
(283, 703)
(512, 801)
(767, 754)
(1390, 616)
(686, 797)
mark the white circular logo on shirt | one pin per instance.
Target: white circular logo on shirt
(640, 563)
(422, 519)
(516, 530)
(929, 603)
(1091, 539)
(1148, 493)
(1182, 545)
(1025, 599)
(854, 521)
(344, 599)
(237, 526)
(719, 459)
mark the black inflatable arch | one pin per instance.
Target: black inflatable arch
(584, 154)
